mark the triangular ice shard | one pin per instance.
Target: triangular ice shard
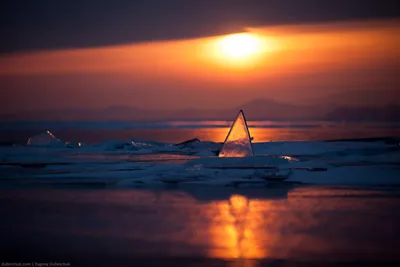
(238, 141)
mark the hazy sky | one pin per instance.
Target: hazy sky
(167, 54)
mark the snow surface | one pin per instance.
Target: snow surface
(137, 163)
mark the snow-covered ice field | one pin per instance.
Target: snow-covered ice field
(138, 163)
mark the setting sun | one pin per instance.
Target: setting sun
(240, 45)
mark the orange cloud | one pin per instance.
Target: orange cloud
(290, 49)
(295, 63)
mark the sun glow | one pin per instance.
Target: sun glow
(241, 45)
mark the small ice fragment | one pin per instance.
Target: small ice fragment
(44, 139)
(188, 142)
(74, 144)
(113, 145)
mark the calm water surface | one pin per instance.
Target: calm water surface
(198, 226)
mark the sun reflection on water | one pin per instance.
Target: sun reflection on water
(233, 234)
(301, 224)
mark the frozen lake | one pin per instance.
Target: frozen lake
(129, 201)
(201, 226)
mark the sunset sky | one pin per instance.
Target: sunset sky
(181, 54)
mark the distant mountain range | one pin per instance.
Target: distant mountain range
(260, 109)
(361, 98)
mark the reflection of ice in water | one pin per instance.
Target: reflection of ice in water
(233, 236)
(238, 141)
